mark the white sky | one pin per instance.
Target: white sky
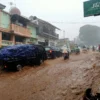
(65, 14)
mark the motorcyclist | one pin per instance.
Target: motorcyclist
(65, 53)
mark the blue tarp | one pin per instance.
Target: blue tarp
(18, 51)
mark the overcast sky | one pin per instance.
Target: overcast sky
(65, 14)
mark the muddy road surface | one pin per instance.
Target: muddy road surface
(54, 80)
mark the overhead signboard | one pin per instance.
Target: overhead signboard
(91, 8)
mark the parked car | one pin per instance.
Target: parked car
(16, 57)
(41, 52)
(53, 52)
(84, 49)
(77, 50)
(58, 52)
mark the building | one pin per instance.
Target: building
(16, 29)
(46, 32)
(63, 43)
(72, 44)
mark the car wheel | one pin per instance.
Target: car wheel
(53, 56)
(41, 61)
(18, 67)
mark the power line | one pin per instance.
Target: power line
(73, 22)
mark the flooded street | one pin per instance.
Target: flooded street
(54, 80)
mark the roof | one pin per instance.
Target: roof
(2, 6)
(5, 12)
(22, 17)
(25, 18)
(48, 23)
(16, 15)
(64, 39)
(33, 24)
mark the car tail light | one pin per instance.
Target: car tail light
(50, 51)
(5, 66)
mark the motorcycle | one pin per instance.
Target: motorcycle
(66, 55)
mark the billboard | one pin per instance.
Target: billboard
(91, 8)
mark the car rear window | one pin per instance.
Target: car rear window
(47, 49)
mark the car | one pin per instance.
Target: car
(84, 49)
(53, 52)
(77, 50)
(17, 56)
(58, 52)
(41, 52)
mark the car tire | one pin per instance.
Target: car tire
(53, 56)
(18, 67)
(41, 61)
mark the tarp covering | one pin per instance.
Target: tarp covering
(18, 52)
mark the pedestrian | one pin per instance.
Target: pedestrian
(93, 48)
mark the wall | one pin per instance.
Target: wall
(33, 31)
(41, 39)
(4, 20)
(51, 42)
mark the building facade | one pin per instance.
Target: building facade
(6, 38)
(16, 29)
(64, 43)
(46, 33)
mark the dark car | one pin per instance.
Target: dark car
(77, 50)
(58, 52)
(53, 52)
(41, 52)
(20, 55)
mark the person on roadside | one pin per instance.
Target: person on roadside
(93, 48)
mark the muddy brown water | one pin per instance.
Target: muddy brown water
(54, 80)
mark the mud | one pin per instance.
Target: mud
(54, 80)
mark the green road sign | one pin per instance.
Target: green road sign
(91, 8)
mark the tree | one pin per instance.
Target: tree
(90, 35)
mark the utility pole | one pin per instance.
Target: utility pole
(63, 34)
